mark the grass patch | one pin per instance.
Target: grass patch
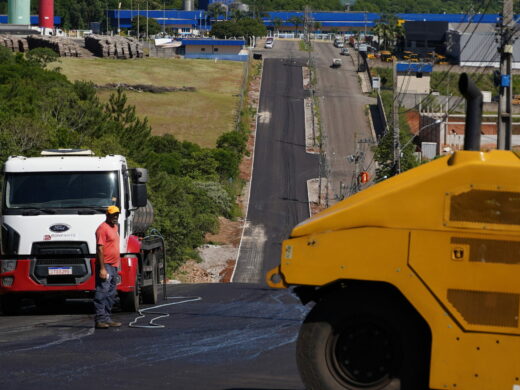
(198, 117)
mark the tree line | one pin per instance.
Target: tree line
(190, 186)
(428, 6)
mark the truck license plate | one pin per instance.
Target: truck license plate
(60, 270)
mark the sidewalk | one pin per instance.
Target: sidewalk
(366, 86)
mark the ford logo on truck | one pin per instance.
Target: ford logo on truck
(59, 228)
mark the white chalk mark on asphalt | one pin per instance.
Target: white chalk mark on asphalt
(264, 117)
(62, 339)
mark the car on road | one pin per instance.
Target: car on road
(336, 63)
(269, 42)
(339, 43)
(344, 52)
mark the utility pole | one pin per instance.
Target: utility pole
(119, 18)
(505, 41)
(395, 115)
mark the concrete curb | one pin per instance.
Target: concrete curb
(372, 129)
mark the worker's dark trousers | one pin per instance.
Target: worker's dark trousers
(105, 294)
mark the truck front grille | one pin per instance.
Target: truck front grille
(72, 270)
(60, 261)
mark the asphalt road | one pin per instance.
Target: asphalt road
(345, 124)
(236, 337)
(281, 168)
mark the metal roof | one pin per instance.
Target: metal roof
(328, 24)
(451, 18)
(35, 19)
(214, 42)
(176, 14)
(327, 16)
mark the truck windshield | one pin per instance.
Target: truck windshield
(61, 190)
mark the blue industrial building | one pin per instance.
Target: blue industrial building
(221, 49)
(186, 21)
(35, 19)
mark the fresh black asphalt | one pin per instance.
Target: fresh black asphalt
(282, 167)
(239, 336)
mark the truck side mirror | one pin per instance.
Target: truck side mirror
(139, 175)
(139, 195)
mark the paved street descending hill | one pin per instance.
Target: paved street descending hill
(281, 169)
(345, 124)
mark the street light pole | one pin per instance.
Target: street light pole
(395, 114)
(506, 39)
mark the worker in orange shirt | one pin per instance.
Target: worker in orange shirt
(108, 261)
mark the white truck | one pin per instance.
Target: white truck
(51, 208)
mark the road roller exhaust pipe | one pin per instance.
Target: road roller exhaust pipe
(474, 102)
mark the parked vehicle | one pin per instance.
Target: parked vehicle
(269, 43)
(52, 206)
(387, 56)
(344, 52)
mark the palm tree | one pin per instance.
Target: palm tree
(216, 9)
(378, 31)
(387, 35)
(297, 21)
(277, 23)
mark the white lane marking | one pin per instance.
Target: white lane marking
(252, 246)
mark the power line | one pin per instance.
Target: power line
(462, 50)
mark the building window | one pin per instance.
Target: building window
(215, 49)
(202, 49)
(186, 29)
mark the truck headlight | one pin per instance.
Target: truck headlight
(7, 265)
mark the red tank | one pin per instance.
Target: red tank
(47, 14)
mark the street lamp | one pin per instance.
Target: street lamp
(437, 122)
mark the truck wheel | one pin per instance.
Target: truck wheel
(369, 345)
(130, 300)
(9, 305)
(151, 292)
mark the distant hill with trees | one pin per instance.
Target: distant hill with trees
(428, 6)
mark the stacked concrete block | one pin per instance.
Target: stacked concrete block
(65, 47)
(14, 43)
(114, 47)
